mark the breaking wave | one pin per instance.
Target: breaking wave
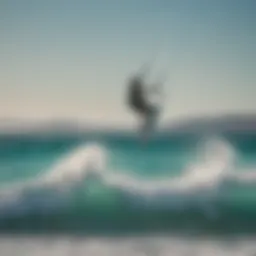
(206, 184)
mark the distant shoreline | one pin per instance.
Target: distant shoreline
(200, 124)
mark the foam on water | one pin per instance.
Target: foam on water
(48, 190)
(213, 167)
(134, 246)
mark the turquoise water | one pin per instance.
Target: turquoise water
(114, 183)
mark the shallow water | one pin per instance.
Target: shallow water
(135, 246)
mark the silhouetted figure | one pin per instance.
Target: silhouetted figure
(138, 101)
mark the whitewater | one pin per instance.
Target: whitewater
(172, 192)
(94, 176)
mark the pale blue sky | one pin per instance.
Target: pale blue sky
(70, 59)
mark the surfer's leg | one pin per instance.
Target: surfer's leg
(149, 123)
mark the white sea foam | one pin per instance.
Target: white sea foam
(213, 166)
(131, 246)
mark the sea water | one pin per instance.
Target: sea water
(187, 193)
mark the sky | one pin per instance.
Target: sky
(71, 59)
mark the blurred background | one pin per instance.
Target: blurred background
(74, 175)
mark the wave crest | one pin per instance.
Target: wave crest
(51, 190)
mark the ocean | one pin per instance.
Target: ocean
(109, 193)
